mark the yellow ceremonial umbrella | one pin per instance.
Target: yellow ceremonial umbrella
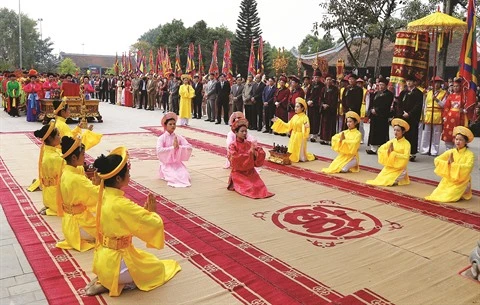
(437, 23)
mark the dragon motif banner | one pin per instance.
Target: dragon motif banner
(410, 56)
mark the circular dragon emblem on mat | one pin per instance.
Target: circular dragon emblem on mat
(324, 221)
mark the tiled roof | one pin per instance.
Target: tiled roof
(332, 55)
(85, 60)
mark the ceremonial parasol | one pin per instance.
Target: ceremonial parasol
(437, 23)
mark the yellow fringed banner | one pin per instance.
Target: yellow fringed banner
(439, 41)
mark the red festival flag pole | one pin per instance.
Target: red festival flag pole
(214, 64)
(160, 62)
(178, 67)
(251, 61)
(227, 61)
(201, 68)
(168, 64)
(150, 61)
(190, 62)
(115, 66)
(124, 63)
(139, 60)
(260, 67)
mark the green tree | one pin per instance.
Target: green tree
(67, 66)
(312, 44)
(370, 19)
(141, 45)
(44, 59)
(416, 9)
(248, 28)
(36, 53)
(151, 35)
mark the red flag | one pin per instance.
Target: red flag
(260, 67)
(168, 64)
(124, 63)
(139, 60)
(115, 66)
(190, 69)
(227, 61)
(214, 64)
(160, 62)
(150, 62)
(251, 61)
(130, 70)
(468, 61)
(143, 64)
(178, 67)
(201, 68)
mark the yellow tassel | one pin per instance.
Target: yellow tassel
(440, 42)
(40, 159)
(416, 43)
(99, 211)
(59, 194)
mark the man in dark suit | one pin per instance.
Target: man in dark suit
(352, 100)
(237, 91)
(142, 88)
(197, 100)
(103, 89)
(223, 96)
(269, 104)
(257, 90)
(409, 108)
(112, 87)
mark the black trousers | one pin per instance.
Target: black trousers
(143, 99)
(165, 101)
(102, 95)
(112, 96)
(251, 116)
(222, 104)
(197, 107)
(269, 112)
(259, 114)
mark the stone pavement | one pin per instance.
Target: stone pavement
(18, 284)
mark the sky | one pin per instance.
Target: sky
(107, 27)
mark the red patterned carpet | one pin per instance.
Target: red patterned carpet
(290, 249)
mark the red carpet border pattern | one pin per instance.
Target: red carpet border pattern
(443, 212)
(248, 273)
(61, 278)
(362, 167)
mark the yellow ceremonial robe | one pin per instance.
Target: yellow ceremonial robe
(297, 146)
(122, 217)
(437, 110)
(394, 163)
(77, 190)
(347, 150)
(52, 165)
(187, 93)
(455, 176)
(89, 138)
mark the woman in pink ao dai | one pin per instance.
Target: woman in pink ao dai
(172, 150)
